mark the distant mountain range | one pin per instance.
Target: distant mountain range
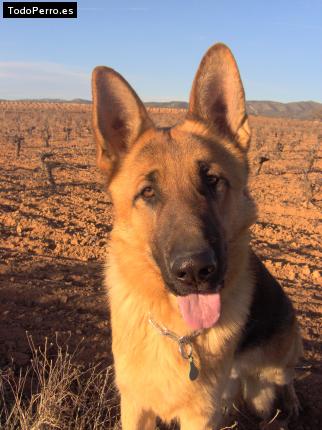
(298, 110)
(174, 104)
(82, 101)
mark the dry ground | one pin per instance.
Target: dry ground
(55, 220)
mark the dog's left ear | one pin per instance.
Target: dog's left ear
(119, 118)
(218, 97)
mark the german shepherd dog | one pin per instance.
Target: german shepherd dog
(197, 320)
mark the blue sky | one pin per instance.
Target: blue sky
(157, 46)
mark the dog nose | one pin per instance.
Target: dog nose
(195, 268)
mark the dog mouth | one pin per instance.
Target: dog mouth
(199, 302)
(197, 291)
(201, 310)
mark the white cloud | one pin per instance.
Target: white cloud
(42, 79)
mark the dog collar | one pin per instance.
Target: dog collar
(184, 344)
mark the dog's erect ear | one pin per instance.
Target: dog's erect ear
(218, 97)
(119, 117)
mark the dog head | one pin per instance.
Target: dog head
(180, 194)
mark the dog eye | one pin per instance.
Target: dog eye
(215, 180)
(212, 179)
(217, 183)
(148, 193)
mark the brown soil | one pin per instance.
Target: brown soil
(55, 220)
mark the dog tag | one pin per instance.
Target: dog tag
(194, 372)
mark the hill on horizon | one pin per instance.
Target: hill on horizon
(296, 110)
(309, 110)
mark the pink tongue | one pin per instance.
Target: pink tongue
(200, 310)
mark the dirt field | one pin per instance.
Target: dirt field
(55, 220)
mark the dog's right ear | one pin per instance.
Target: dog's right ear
(217, 96)
(119, 117)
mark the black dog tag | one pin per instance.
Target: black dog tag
(194, 372)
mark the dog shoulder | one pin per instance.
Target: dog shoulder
(271, 311)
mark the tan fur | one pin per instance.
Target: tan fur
(151, 375)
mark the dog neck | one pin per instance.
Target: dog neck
(185, 345)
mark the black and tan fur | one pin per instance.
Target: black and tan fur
(177, 192)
